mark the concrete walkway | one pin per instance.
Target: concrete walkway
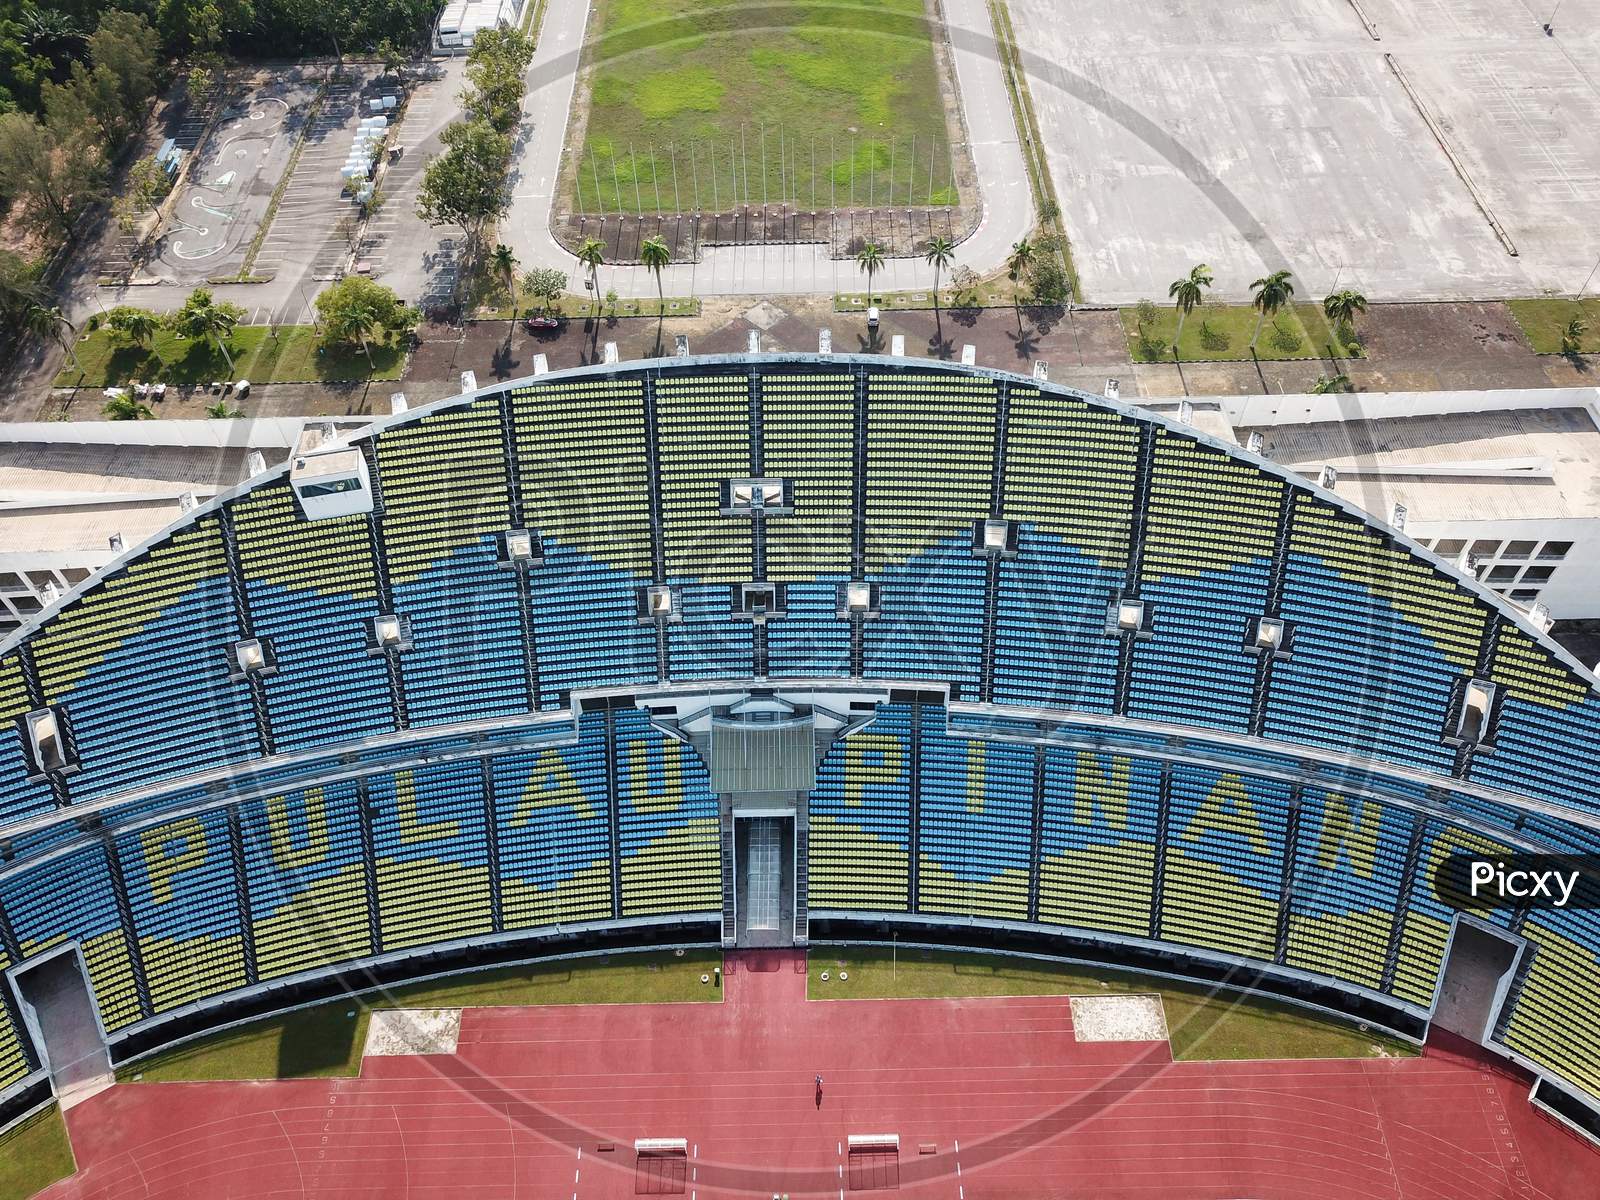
(766, 270)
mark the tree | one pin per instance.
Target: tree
(87, 109)
(465, 185)
(1272, 292)
(870, 259)
(126, 47)
(939, 254)
(391, 55)
(965, 281)
(147, 184)
(1342, 308)
(495, 71)
(18, 287)
(200, 83)
(223, 411)
(136, 325)
(355, 308)
(48, 321)
(198, 26)
(47, 180)
(1048, 280)
(592, 254)
(545, 284)
(123, 407)
(1021, 258)
(204, 317)
(1187, 294)
(504, 265)
(655, 256)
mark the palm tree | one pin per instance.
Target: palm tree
(1187, 294)
(940, 253)
(1572, 336)
(655, 256)
(1342, 308)
(592, 254)
(1272, 292)
(138, 325)
(504, 264)
(48, 321)
(870, 259)
(1022, 255)
(123, 407)
(50, 34)
(203, 317)
(223, 411)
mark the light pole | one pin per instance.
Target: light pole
(1590, 276)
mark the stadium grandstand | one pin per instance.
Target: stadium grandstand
(767, 650)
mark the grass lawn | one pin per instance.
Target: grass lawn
(294, 356)
(1201, 1026)
(1544, 321)
(326, 1040)
(1222, 333)
(682, 90)
(34, 1155)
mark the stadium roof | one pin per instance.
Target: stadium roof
(1299, 471)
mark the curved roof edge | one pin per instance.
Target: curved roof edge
(1134, 412)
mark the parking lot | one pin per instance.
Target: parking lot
(1253, 140)
(312, 233)
(230, 184)
(400, 249)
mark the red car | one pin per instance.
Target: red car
(534, 324)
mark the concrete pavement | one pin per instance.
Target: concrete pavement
(775, 269)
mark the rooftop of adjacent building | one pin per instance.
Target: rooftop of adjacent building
(1508, 465)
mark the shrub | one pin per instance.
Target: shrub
(1049, 281)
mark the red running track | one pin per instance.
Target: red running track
(1012, 1104)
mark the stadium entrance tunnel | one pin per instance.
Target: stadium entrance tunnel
(58, 1009)
(1006, 664)
(1478, 973)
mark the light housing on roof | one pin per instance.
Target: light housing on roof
(994, 536)
(757, 497)
(47, 737)
(660, 603)
(388, 631)
(858, 598)
(1474, 713)
(1269, 635)
(1127, 616)
(252, 657)
(758, 602)
(520, 549)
